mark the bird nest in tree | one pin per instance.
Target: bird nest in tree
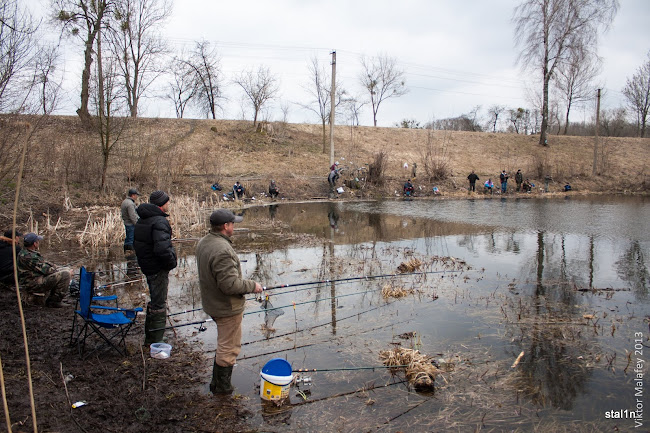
(389, 291)
(410, 266)
(420, 372)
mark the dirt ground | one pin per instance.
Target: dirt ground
(171, 395)
(135, 393)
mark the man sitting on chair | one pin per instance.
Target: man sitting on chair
(238, 190)
(38, 276)
(408, 188)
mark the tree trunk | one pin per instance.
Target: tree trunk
(104, 170)
(568, 109)
(542, 136)
(324, 137)
(83, 112)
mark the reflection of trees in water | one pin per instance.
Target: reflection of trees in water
(631, 267)
(550, 372)
(263, 271)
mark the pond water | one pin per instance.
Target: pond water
(565, 281)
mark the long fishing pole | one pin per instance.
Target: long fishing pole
(315, 343)
(121, 283)
(318, 370)
(271, 309)
(368, 277)
(109, 271)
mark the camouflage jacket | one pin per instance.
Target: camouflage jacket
(32, 267)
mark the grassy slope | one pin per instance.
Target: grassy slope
(186, 156)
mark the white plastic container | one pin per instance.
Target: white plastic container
(160, 350)
(276, 379)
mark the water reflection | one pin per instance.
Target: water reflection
(536, 256)
(632, 267)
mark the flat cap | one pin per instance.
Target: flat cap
(222, 216)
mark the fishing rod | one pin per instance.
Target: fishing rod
(318, 370)
(302, 346)
(367, 277)
(270, 309)
(121, 283)
(108, 271)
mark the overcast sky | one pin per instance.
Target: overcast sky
(456, 55)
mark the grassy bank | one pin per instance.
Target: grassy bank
(64, 163)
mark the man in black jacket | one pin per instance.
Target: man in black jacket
(156, 257)
(7, 244)
(472, 181)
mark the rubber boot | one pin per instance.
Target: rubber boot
(221, 377)
(153, 326)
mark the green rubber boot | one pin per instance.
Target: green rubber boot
(153, 326)
(221, 377)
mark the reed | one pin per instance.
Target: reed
(104, 227)
(420, 373)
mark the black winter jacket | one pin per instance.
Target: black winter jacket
(7, 259)
(153, 240)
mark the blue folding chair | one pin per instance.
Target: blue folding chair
(110, 324)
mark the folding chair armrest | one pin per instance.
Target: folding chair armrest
(124, 310)
(104, 298)
(132, 313)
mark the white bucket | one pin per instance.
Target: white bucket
(160, 350)
(339, 190)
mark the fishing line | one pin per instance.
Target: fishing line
(121, 283)
(318, 342)
(372, 367)
(369, 277)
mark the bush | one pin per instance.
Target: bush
(377, 169)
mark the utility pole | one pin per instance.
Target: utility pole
(332, 107)
(594, 169)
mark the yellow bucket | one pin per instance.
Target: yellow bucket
(275, 391)
(276, 380)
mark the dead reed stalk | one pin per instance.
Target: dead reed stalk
(420, 373)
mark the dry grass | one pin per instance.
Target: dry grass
(410, 266)
(390, 291)
(185, 156)
(420, 372)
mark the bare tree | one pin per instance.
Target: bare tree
(108, 98)
(17, 54)
(545, 29)
(494, 112)
(517, 119)
(382, 79)
(637, 92)
(574, 79)
(352, 106)
(205, 65)
(46, 78)
(183, 87)
(319, 88)
(259, 86)
(138, 45)
(83, 18)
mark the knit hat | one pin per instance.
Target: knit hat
(9, 234)
(159, 198)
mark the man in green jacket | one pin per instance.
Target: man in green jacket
(222, 294)
(35, 274)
